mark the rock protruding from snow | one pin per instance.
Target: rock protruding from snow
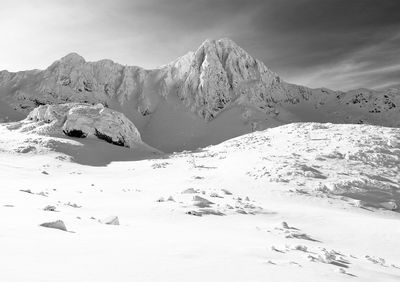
(59, 224)
(190, 191)
(82, 120)
(201, 202)
(111, 220)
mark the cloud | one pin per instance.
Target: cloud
(374, 66)
(316, 41)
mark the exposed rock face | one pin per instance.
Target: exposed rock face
(82, 120)
(59, 224)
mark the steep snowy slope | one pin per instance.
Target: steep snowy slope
(299, 202)
(186, 99)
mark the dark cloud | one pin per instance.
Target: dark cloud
(292, 37)
(325, 29)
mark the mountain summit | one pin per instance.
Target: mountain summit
(204, 97)
(218, 73)
(73, 58)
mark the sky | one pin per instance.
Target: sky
(338, 44)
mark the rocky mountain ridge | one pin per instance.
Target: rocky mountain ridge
(219, 80)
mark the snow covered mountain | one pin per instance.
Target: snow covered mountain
(202, 98)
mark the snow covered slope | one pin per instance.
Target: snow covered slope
(202, 98)
(299, 202)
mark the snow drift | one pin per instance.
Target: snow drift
(360, 162)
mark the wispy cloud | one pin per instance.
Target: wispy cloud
(374, 66)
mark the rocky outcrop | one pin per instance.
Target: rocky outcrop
(111, 220)
(83, 120)
(58, 224)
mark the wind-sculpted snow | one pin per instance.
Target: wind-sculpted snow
(300, 202)
(82, 120)
(361, 162)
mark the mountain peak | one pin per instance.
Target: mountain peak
(222, 41)
(223, 44)
(227, 42)
(73, 58)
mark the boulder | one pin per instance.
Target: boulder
(201, 202)
(58, 224)
(111, 220)
(82, 120)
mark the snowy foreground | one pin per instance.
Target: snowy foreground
(300, 202)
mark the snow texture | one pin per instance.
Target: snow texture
(299, 202)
